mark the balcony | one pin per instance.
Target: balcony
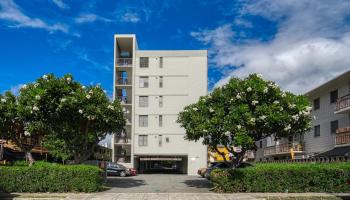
(122, 140)
(123, 159)
(124, 100)
(343, 105)
(283, 149)
(123, 82)
(343, 137)
(123, 62)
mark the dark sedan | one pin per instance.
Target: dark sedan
(117, 170)
(223, 165)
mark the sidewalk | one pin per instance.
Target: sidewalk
(169, 196)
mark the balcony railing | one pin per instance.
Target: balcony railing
(123, 159)
(343, 136)
(283, 149)
(122, 81)
(343, 103)
(122, 140)
(123, 62)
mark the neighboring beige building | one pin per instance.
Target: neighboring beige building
(330, 133)
(154, 86)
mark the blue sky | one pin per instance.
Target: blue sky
(298, 44)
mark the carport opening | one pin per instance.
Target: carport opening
(162, 165)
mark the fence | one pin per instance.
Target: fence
(312, 160)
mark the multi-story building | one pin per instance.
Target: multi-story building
(330, 133)
(153, 87)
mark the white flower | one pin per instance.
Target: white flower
(239, 126)
(195, 109)
(35, 108)
(69, 79)
(255, 102)
(83, 87)
(36, 85)
(259, 75)
(252, 120)
(295, 117)
(276, 102)
(266, 90)
(3, 100)
(88, 96)
(24, 86)
(26, 133)
(238, 96)
(314, 117)
(91, 92)
(292, 105)
(211, 110)
(227, 133)
(249, 89)
(37, 97)
(306, 112)
(283, 94)
(80, 111)
(281, 109)
(262, 117)
(204, 130)
(308, 108)
(45, 76)
(110, 107)
(63, 100)
(287, 128)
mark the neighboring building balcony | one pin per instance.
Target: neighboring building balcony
(343, 136)
(123, 159)
(123, 82)
(343, 104)
(122, 140)
(124, 100)
(123, 62)
(283, 149)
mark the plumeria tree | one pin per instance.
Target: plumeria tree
(244, 111)
(59, 108)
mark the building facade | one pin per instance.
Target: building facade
(330, 132)
(153, 87)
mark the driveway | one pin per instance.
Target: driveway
(158, 183)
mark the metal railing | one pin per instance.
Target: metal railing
(122, 81)
(342, 103)
(283, 148)
(122, 140)
(343, 136)
(311, 160)
(123, 62)
(123, 159)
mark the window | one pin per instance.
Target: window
(334, 96)
(143, 140)
(317, 130)
(143, 101)
(161, 62)
(160, 120)
(160, 140)
(143, 62)
(167, 140)
(260, 144)
(316, 103)
(143, 120)
(161, 82)
(143, 81)
(160, 101)
(334, 126)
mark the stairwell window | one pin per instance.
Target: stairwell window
(333, 96)
(143, 120)
(143, 140)
(161, 82)
(160, 118)
(317, 104)
(317, 131)
(161, 62)
(160, 140)
(160, 101)
(144, 62)
(143, 82)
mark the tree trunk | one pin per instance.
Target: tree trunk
(29, 158)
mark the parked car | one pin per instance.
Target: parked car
(133, 172)
(117, 170)
(223, 165)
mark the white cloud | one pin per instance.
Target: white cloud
(311, 45)
(10, 12)
(89, 18)
(60, 4)
(130, 17)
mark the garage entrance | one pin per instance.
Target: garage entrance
(162, 164)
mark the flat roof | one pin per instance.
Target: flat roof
(173, 53)
(342, 77)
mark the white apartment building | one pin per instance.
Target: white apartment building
(153, 87)
(330, 133)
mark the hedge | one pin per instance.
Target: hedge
(48, 177)
(333, 177)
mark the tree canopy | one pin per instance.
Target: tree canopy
(245, 111)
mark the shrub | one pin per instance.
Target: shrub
(49, 177)
(284, 178)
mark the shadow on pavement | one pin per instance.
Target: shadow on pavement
(124, 182)
(198, 183)
(8, 196)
